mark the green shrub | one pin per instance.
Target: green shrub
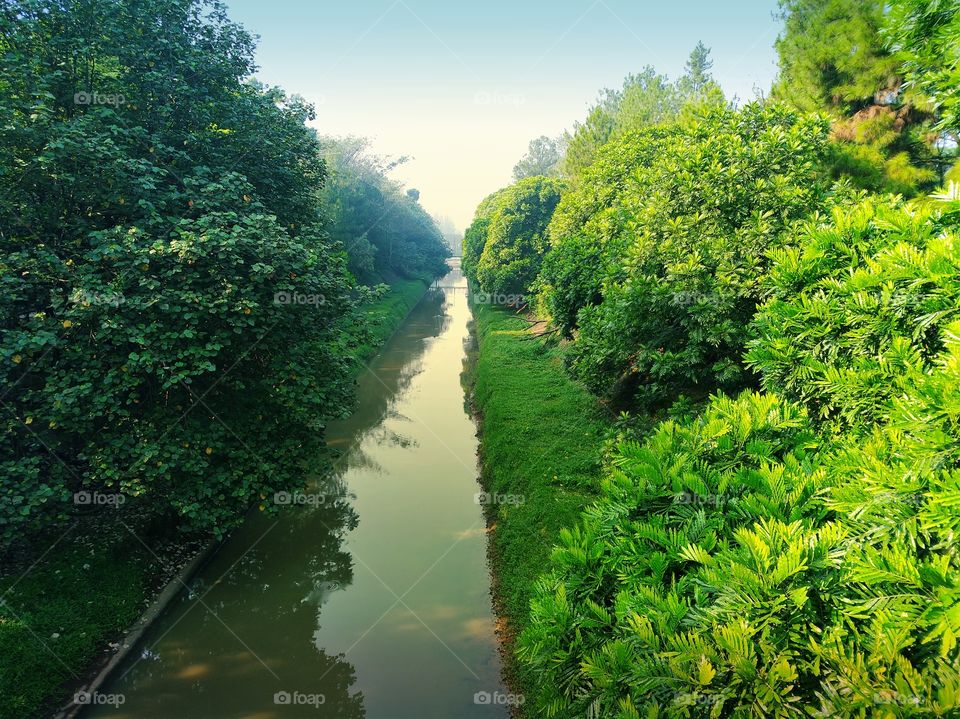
(680, 286)
(857, 300)
(516, 238)
(145, 244)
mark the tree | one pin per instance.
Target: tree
(675, 249)
(516, 237)
(170, 296)
(833, 59)
(698, 68)
(926, 35)
(542, 159)
(382, 226)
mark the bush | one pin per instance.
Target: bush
(516, 238)
(857, 301)
(151, 248)
(682, 280)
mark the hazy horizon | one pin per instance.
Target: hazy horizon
(461, 90)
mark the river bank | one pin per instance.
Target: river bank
(65, 610)
(541, 439)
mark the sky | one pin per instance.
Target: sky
(462, 87)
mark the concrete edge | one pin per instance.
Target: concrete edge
(132, 638)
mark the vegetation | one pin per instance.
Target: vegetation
(382, 227)
(773, 534)
(833, 59)
(670, 289)
(541, 442)
(97, 577)
(515, 238)
(180, 286)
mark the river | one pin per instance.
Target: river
(368, 596)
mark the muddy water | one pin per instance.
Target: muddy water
(369, 595)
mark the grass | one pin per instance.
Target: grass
(541, 438)
(59, 608)
(55, 619)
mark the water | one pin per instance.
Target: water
(370, 601)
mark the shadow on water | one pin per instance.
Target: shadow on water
(367, 598)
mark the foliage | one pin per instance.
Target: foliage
(542, 159)
(681, 271)
(857, 305)
(475, 238)
(541, 440)
(926, 34)
(834, 59)
(171, 300)
(646, 99)
(516, 237)
(757, 561)
(382, 227)
(587, 236)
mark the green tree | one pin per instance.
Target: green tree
(516, 238)
(833, 59)
(926, 34)
(158, 214)
(382, 226)
(674, 249)
(542, 159)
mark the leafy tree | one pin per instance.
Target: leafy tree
(834, 59)
(542, 159)
(475, 238)
(516, 238)
(382, 226)
(681, 251)
(926, 35)
(160, 225)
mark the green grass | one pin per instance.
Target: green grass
(541, 438)
(88, 590)
(55, 618)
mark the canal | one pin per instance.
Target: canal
(368, 596)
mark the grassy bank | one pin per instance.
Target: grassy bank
(540, 443)
(77, 590)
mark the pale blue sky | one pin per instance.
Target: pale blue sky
(462, 87)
